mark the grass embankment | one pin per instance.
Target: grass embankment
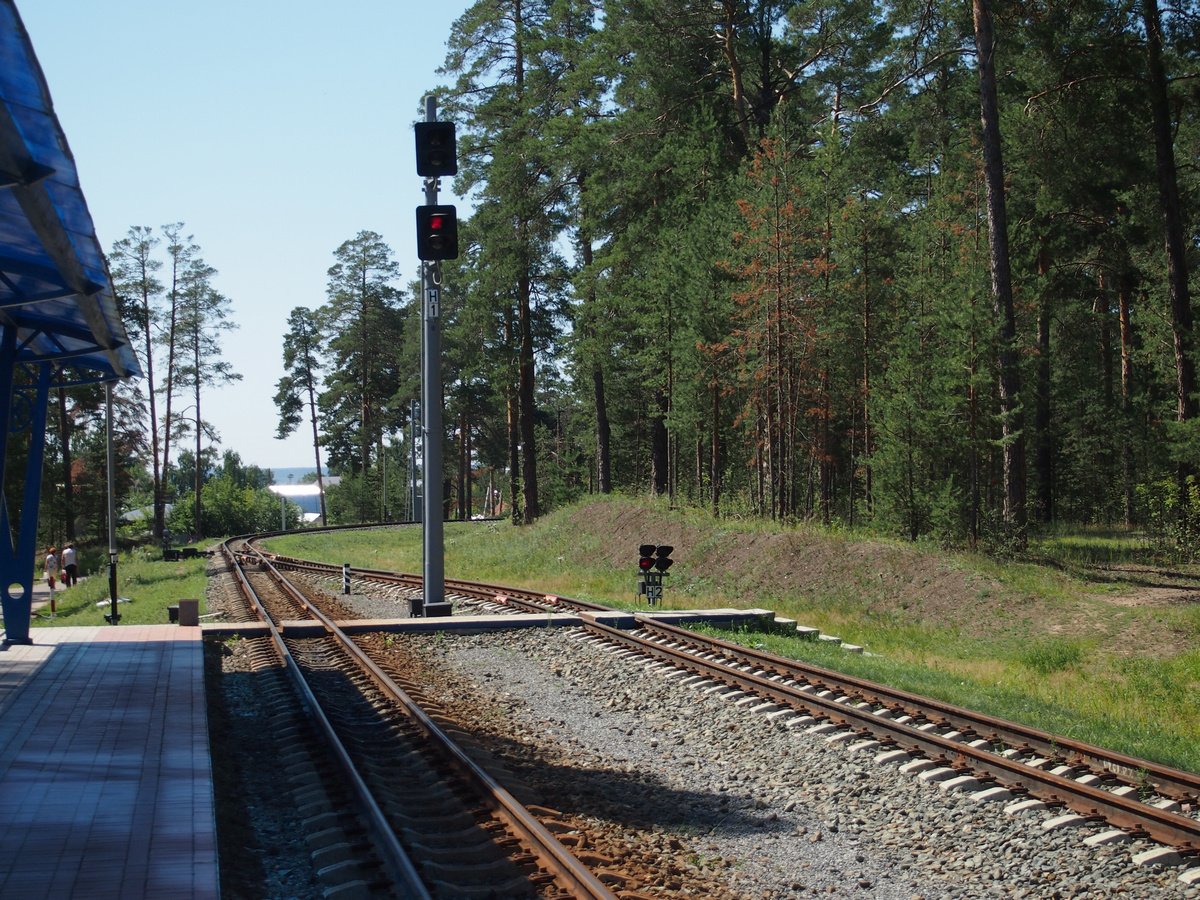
(1090, 641)
(148, 583)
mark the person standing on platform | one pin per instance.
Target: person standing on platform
(69, 566)
(51, 567)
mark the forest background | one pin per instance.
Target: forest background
(922, 267)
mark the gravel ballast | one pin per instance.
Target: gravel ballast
(769, 810)
(784, 812)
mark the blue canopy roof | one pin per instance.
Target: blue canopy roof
(55, 288)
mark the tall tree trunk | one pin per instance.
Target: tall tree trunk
(973, 523)
(603, 427)
(514, 431)
(526, 402)
(658, 443)
(867, 448)
(1104, 345)
(1043, 455)
(1173, 236)
(759, 504)
(364, 401)
(1124, 293)
(603, 432)
(170, 385)
(156, 472)
(312, 408)
(199, 468)
(1011, 415)
(728, 38)
(1043, 458)
(514, 455)
(462, 466)
(826, 450)
(64, 431)
(775, 369)
(470, 471)
(714, 472)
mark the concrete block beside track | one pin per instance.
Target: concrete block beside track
(762, 619)
(233, 629)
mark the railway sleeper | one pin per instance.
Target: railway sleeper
(469, 874)
(425, 821)
(338, 874)
(329, 820)
(340, 833)
(410, 766)
(342, 851)
(422, 797)
(516, 887)
(458, 837)
(481, 851)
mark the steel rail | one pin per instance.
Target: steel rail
(571, 874)
(1166, 780)
(1170, 828)
(395, 858)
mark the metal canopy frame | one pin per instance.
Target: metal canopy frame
(58, 312)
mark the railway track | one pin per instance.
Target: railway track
(962, 749)
(438, 825)
(983, 756)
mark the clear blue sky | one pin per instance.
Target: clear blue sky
(274, 129)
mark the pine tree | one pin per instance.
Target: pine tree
(296, 391)
(363, 326)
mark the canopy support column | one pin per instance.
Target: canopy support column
(18, 558)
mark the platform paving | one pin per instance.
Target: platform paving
(105, 774)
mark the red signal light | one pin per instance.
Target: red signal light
(437, 232)
(654, 556)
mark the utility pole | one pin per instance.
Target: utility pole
(113, 616)
(414, 502)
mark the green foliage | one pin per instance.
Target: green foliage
(142, 578)
(744, 261)
(362, 331)
(229, 508)
(1071, 685)
(1051, 655)
(759, 280)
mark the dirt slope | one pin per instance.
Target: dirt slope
(805, 568)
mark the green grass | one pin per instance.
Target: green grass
(1096, 546)
(486, 551)
(150, 584)
(1098, 688)
(1090, 716)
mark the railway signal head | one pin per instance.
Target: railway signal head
(654, 556)
(436, 149)
(437, 232)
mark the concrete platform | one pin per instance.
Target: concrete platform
(105, 775)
